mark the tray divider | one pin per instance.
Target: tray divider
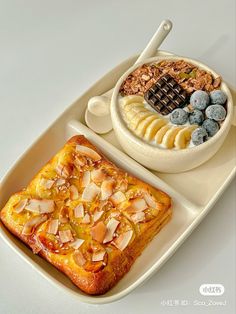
(75, 127)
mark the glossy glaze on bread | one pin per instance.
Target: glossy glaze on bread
(87, 217)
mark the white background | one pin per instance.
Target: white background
(50, 52)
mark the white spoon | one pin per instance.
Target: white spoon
(97, 115)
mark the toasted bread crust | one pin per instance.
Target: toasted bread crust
(118, 261)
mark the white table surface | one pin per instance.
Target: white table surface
(52, 51)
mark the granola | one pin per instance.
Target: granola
(188, 75)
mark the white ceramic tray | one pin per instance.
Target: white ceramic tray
(193, 192)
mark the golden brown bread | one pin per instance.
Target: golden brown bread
(87, 217)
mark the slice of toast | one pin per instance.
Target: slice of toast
(87, 217)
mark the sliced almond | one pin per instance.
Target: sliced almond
(79, 258)
(111, 228)
(32, 223)
(77, 243)
(86, 219)
(138, 217)
(79, 211)
(123, 185)
(138, 205)
(74, 194)
(90, 192)
(97, 215)
(53, 226)
(150, 201)
(118, 198)
(98, 256)
(46, 183)
(98, 175)
(40, 206)
(63, 170)
(88, 152)
(98, 231)
(65, 236)
(60, 182)
(123, 240)
(107, 189)
(20, 206)
(85, 179)
(80, 161)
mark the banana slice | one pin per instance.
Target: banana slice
(183, 137)
(160, 133)
(133, 112)
(131, 99)
(140, 116)
(169, 137)
(149, 125)
(153, 127)
(142, 126)
(133, 105)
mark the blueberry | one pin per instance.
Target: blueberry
(196, 117)
(199, 100)
(211, 126)
(218, 97)
(179, 116)
(216, 112)
(199, 136)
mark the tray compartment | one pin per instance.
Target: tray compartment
(153, 257)
(199, 185)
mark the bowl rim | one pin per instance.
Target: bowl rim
(117, 117)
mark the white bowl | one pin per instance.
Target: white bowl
(167, 160)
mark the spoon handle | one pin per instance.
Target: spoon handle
(151, 48)
(155, 42)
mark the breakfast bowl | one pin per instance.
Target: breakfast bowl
(158, 157)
